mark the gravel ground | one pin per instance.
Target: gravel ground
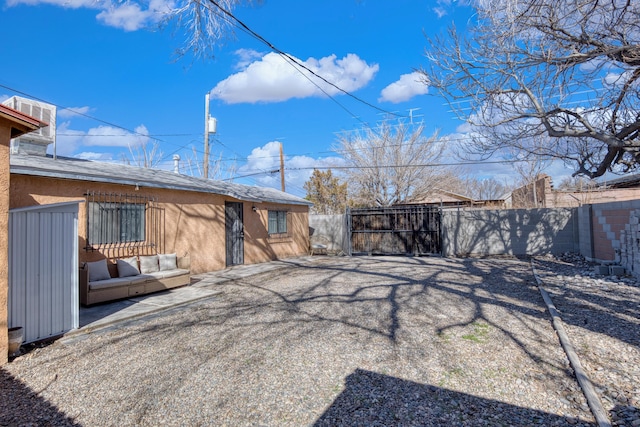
(369, 341)
(602, 318)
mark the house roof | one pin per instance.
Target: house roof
(115, 173)
(439, 195)
(26, 122)
(622, 182)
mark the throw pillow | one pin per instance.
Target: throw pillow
(98, 270)
(127, 267)
(168, 261)
(149, 264)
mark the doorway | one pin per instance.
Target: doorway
(234, 233)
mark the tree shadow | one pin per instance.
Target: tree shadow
(517, 232)
(374, 399)
(616, 314)
(406, 306)
(22, 406)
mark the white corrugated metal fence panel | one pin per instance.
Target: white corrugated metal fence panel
(43, 264)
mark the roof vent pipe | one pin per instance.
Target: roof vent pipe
(176, 163)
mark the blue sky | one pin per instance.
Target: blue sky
(98, 58)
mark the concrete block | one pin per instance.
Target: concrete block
(616, 270)
(601, 269)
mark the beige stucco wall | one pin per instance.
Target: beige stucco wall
(610, 195)
(193, 222)
(5, 136)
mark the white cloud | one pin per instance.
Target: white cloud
(67, 140)
(267, 159)
(440, 11)
(70, 112)
(273, 79)
(408, 86)
(444, 7)
(4, 98)
(246, 57)
(128, 16)
(89, 155)
(67, 4)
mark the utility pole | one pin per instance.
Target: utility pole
(210, 125)
(281, 168)
(206, 136)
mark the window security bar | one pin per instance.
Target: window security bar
(121, 224)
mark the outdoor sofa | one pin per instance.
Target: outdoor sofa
(101, 281)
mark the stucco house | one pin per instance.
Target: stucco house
(127, 210)
(13, 123)
(449, 200)
(121, 211)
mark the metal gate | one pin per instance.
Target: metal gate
(396, 230)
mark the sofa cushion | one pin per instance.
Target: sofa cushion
(149, 264)
(127, 267)
(167, 261)
(98, 270)
(166, 274)
(110, 283)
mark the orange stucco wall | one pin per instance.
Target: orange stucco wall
(5, 136)
(193, 223)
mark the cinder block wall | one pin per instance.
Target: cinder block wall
(585, 231)
(330, 230)
(613, 226)
(604, 232)
(510, 232)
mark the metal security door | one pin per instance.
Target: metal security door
(234, 233)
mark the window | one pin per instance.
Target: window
(277, 222)
(121, 221)
(112, 222)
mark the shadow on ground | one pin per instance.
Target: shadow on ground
(21, 406)
(370, 398)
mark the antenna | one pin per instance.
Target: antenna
(411, 116)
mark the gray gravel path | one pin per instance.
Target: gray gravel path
(369, 341)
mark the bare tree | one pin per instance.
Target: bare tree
(487, 189)
(549, 79)
(205, 23)
(390, 164)
(216, 167)
(143, 155)
(578, 184)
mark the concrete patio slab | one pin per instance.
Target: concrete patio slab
(203, 286)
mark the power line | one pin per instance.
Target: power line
(132, 132)
(79, 113)
(121, 135)
(424, 165)
(258, 37)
